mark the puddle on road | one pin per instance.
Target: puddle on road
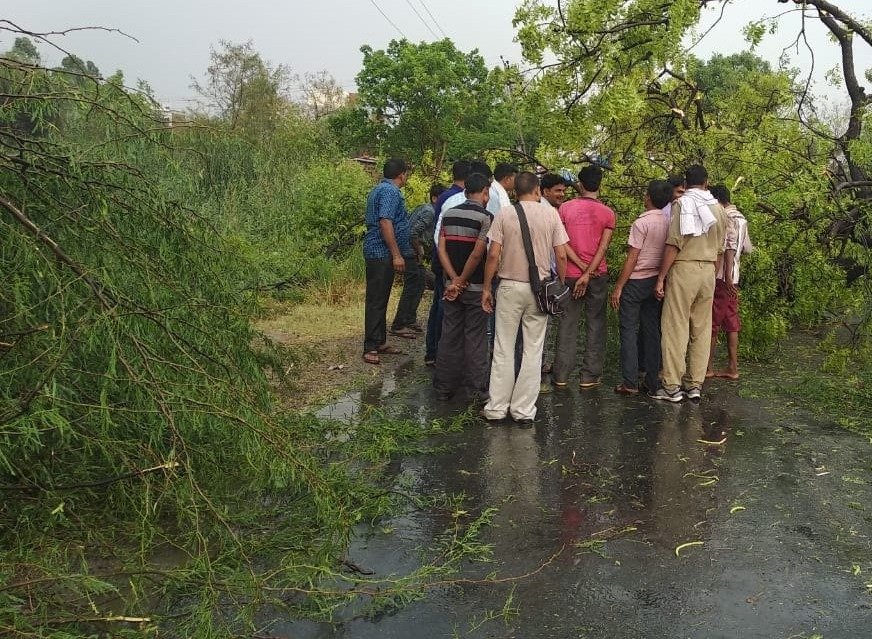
(771, 513)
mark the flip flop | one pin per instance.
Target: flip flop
(371, 357)
(389, 350)
(730, 376)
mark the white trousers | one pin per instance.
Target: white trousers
(516, 306)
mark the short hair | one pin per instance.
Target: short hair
(660, 192)
(675, 181)
(591, 177)
(549, 181)
(460, 170)
(480, 166)
(504, 169)
(526, 183)
(696, 175)
(476, 183)
(721, 193)
(437, 189)
(395, 167)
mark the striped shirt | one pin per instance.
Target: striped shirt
(462, 227)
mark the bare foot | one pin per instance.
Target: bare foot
(727, 375)
(710, 373)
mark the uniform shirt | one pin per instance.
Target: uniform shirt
(648, 234)
(385, 202)
(585, 220)
(462, 227)
(699, 248)
(546, 232)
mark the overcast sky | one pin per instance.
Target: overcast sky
(174, 36)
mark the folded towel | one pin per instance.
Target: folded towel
(696, 216)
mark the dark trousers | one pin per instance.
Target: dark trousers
(434, 320)
(593, 303)
(379, 280)
(640, 310)
(463, 352)
(413, 289)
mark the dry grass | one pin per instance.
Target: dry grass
(327, 340)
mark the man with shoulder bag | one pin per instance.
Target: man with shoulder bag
(518, 305)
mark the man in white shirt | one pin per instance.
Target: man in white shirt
(504, 181)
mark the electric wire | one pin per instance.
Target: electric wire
(433, 18)
(385, 16)
(421, 18)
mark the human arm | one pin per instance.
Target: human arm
(572, 257)
(729, 258)
(629, 265)
(560, 257)
(590, 271)
(390, 239)
(669, 256)
(490, 271)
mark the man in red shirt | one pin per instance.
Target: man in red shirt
(589, 224)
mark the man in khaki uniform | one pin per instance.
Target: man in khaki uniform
(694, 245)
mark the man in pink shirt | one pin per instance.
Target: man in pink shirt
(589, 224)
(634, 291)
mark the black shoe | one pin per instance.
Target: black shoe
(525, 423)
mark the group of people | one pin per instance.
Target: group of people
(677, 289)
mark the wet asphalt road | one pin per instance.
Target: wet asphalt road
(595, 499)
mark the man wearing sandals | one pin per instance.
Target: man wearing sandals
(386, 247)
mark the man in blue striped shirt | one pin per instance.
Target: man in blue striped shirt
(386, 246)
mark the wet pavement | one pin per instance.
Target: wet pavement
(596, 498)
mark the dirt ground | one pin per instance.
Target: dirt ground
(324, 343)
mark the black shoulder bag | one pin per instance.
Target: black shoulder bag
(550, 293)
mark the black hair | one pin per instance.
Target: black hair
(549, 181)
(696, 175)
(480, 166)
(675, 181)
(526, 183)
(720, 193)
(591, 177)
(476, 183)
(395, 167)
(460, 170)
(436, 190)
(660, 192)
(503, 169)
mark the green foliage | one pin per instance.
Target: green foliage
(150, 483)
(431, 97)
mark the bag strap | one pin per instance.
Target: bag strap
(528, 248)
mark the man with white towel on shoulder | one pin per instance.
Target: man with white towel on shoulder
(694, 245)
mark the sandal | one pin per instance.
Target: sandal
(371, 357)
(623, 389)
(389, 350)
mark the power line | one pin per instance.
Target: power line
(385, 16)
(421, 18)
(435, 21)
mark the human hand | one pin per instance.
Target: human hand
(659, 289)
(487, 301)
(399, 264)
(616, 297)
(451, 293)
(580, 287)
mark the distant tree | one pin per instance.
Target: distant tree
(321, 95)
(244, 91)
(424, 96)
(75, 64)
(24, 50)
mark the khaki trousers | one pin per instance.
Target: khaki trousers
(508, 395)
(686, 324)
